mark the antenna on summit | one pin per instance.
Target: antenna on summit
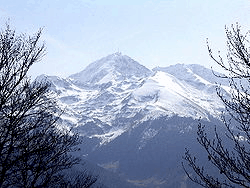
(118, 52)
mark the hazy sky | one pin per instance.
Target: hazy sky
(153, 32)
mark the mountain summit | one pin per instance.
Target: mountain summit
(113, 67)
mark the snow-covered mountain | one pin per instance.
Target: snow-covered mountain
(118, 103)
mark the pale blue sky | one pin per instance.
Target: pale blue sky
(153, 32)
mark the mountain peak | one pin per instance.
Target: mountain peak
(112, 67)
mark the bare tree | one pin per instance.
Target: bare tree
(230, 153)
(33, 150)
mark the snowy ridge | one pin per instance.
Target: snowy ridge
(177, 97)
(114, 94)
